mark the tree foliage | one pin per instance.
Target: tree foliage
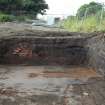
(89, 9)
(23, 6)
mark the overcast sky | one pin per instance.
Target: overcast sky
(67, 7)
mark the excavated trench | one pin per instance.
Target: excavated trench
(36, 66)
(53, 49)
(46, 48)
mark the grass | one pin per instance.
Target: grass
(89, 24)
(9, 17)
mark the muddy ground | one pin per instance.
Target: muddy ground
(45, 85)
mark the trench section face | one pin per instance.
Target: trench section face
(86, 51)
(44, 51)
(96, 46)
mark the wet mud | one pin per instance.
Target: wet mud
(42, 85)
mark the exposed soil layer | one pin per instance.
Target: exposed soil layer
(49, 46)
(76, 73)
(46, 85)
(38, 46)
(30, 45)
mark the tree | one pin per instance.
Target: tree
(23, 6)
(90, 9)
(35, 6)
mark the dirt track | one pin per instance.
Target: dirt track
(9, 29)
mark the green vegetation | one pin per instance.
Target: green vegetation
(17, 8)
(86, 21)
(89, 9)
(6, 18)
(89, 24)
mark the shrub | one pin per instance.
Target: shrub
(6, 18)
